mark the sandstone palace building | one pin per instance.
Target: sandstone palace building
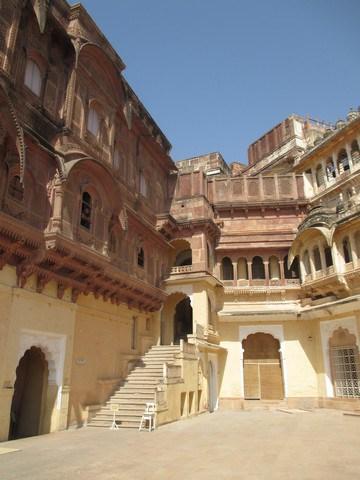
(126, 278)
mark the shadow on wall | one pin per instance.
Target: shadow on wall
(34, 398)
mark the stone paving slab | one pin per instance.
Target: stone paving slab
(255, 445)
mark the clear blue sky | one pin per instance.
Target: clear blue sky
(217, 74)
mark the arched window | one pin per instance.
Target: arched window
(227, 269)
(274, 268)
(116, 159)
(112, 242)
(355, 152)
(293, 271)
(328, 257)
(141, 257)
(85, 218)
(345, 363)
(319, 174)
(33, 78)
(257, 267)
(93, 123)
(343, 161)
(184, 258)
(15, 188)
(346, 250)
(306, 261)
(243, 269)
(330, 169)
(317, 259)
(143, 184)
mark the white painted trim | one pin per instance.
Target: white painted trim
(54, 347)
(277, 331)
(327, 328)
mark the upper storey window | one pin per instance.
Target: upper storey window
(33, 78)
(15, 188)
(143, 185)
(116, 159)
(141, 257)
(93, 123)
(85, 218)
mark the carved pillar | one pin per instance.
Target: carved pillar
(322, 257)
(334, 159)
(312, 263)
(58, 198)
(323, 166)
(353, 249)
(249, 265)
(267, 273)
(302, 270)
(235, 270)
(349, 156)
(282, 271)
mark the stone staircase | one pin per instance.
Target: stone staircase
(137, 389)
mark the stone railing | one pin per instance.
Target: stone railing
(292, 281)
(330, 270)
(187, 348)
(262, 282)
(349, 266)
(171, 373)
(182, 269)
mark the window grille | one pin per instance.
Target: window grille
(346, 371)
(33, 77)
(93, 124)
(85, 219)
(16, 189)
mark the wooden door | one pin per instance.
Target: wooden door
(262, 368)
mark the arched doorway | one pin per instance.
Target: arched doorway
(29, 395)
(262, 368)
(183, 320)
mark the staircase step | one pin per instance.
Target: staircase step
(136, 390)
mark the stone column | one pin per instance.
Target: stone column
(266, 267)
(353, 249)
(282, 272)
(323, 165)
(56, 221)
(235, 269)
(249, 264)
(302, 270)
(314, 183)
(348, 153)
(322, 257)
(312, 263)
(334, 159)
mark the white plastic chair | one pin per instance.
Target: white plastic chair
(147, 421)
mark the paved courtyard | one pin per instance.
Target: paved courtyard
(224, 445)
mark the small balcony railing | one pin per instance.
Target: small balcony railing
(182, 269)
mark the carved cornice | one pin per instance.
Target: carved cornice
(70, 265)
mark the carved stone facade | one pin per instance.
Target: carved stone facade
(108, 247)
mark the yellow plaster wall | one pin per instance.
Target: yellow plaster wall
(23, 309)
(102, 351)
